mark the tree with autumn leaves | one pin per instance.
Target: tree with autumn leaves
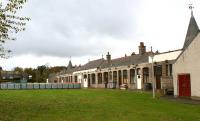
(10, 24)
(39, 74)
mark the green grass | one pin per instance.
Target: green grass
(91, 105)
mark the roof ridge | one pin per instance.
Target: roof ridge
(96, 60)
(169, 51)
(124, 57)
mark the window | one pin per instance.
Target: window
(114, 76)
(158, 70)
(125, 76)
(99, 78)
(145, 75)
(138, 71)
(93, 78)
(110, 75)
(170, 69)
(132, 76)
(76, 79)
(166, 69)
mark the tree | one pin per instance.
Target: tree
(42, 73)
(10, 23)
(39, 74)
(18, 70)
(57, 69)
(31, 74)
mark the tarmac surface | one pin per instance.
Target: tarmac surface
(181, 100)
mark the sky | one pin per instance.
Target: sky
(87, 29)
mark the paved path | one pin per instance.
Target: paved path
(182, 100)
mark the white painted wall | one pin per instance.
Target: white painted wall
(165, 56)
(189, 62)
(85, 83)
(85, 71)
(139, 82)
(80, 76)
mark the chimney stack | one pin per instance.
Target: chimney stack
(142, 48)
(108, 57)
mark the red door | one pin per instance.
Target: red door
(184, 85)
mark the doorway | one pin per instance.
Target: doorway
(184, 85)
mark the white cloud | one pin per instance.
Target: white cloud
(74, 27)
(87, 29)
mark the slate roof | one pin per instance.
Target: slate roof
(128, 60)
(192, 31)
(70, 65)
(70, 69)
(102, 63)
(92, 64)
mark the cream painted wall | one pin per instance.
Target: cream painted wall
(85, 71)
(189, 62)
(165, 56)
(81, 79)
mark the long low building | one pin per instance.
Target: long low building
(132, 72)
(176, 70)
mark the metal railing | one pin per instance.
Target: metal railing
(18, 86)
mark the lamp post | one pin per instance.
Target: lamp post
(152, 76)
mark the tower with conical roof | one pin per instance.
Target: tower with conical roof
(70, 64)
(192, 30)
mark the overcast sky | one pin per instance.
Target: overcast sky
(88, 29)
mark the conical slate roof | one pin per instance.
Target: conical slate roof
(69, 65)
(192, 31)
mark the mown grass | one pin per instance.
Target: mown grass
(91, 105)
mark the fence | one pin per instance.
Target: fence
(17, 86)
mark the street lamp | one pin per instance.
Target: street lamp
(152, 76)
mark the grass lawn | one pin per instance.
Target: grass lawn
(91, 105)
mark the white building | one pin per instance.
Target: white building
(187, 66)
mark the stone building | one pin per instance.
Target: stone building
(133, 71)
(163, 69)
(187, 65)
